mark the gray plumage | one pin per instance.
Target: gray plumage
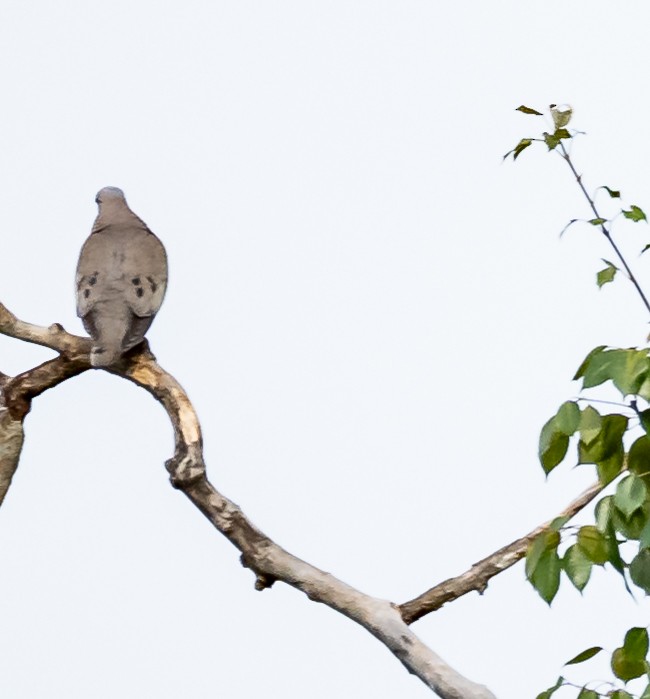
(121, 279)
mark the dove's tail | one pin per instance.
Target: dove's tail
(108, 325)
(102, 355)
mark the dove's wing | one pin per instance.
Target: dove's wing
(121, 279)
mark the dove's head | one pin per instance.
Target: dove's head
(110, 195)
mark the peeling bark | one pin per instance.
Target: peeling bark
(11, 444)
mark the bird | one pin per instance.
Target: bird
(121, 279)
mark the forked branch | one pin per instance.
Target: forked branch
(387, 621)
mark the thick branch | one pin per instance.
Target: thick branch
(16, 393)
(271, 562)
(54, 336)
(477, 577)
(384, 620)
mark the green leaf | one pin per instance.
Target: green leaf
(610, 437)
(638, 458)
(546, 578)
(597, 221)
(587, 361)
(519, 148)
(593, 544)
(588, 694)
(610, 468)
(578, 568)
(615, 557)
(567, 419)
(645, 248)
(557, 523)
(553, 445)
(591, 423)
(631, 527)
(626, 668)
(644, 537)
(636, 643)
(630, 495)
(635, 214)
(585, 655)
(630, 370)
(528, 110)
(640, 570)
(626, 368)
(606, 448)
(644, 418)
(546, 541)
(551, 690)
(613, 193)
(606, 275)
(603, 513)
(620, 694)
(551, 140)
(644, 389)
(600, 368)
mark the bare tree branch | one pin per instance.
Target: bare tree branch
(54, 337)
(477, 577)
(11, 444)
(388, 622)
(271, 562)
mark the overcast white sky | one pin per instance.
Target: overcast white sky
(372, 314)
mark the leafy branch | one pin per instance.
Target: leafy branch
(617, 444)
(555, 142)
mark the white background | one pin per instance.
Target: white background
(371, 313)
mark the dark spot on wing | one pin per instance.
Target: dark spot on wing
(139, 292)
(152, 284)
(86, 293)
(135, 281)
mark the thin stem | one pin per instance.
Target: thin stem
(603, 228)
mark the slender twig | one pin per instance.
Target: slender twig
(478, 576)
(604, 230)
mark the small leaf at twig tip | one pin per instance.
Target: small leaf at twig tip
(561, 114)
(521, 146)
(551, 690)
(606, 275)
(635, 214)
(585, 655)
(647, 247)
(597, 221)
(553, 140)
(528, 110)
(550, 140)
(613, 193)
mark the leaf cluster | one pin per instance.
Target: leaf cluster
(621, 517)
(628, 662)
(621, 457)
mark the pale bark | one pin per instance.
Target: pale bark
(387, 621)
(478, 576)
